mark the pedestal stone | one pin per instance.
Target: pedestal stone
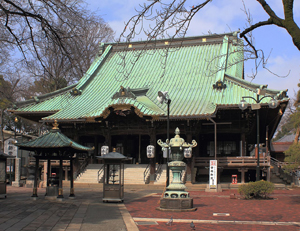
(17, 183)
(30, 178)
(176, 205)
(29, 183)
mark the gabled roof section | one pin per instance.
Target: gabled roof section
(200, 73)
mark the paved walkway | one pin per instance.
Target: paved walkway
(215, 211)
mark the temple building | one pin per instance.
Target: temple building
(115, 104)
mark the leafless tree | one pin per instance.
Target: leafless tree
(58, 39)
(59, 70)
(26, 23)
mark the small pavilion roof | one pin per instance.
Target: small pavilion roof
(3, 155)
(53, 140)
(112, 156)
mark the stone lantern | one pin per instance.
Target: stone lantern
(175, 197)
(3, 182)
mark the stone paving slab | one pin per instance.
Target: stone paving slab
(215, 227)
(280, 213)
(87, 212)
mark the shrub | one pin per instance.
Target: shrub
(256, 190)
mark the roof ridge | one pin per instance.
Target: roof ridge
(90, 74)
(221, 36)
(174, 42)
(36, 99)
(253, 86)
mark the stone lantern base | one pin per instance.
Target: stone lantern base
(176, 205)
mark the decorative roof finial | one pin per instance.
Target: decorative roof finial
(122, 91)
(55, 125)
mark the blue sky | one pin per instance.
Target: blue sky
(224, 16)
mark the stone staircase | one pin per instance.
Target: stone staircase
(162, 177)
(134, 174)
(90, 175)
(278, 176)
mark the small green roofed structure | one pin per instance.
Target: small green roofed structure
(54, 146)
(113, 185)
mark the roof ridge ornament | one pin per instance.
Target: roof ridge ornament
(124, 93)
(75, 91)
(219, 85)
(55, 125)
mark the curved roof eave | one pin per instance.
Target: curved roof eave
(253, 86)
(44, 97)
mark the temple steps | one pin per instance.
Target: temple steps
(90, 175)
(134, 174)
(162, 178)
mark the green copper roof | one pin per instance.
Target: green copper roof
(113, 156)
(52, 140)
(188, 69)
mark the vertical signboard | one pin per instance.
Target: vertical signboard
(213, 167)
(10, 148)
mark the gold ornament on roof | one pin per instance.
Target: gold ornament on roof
(55, 125)
(122, 91)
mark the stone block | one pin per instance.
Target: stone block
(178, 204)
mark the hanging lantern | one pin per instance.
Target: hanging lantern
(150, 151)
(104, 150)
(187, 153)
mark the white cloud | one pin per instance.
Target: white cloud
(280, 65)
(222, 16)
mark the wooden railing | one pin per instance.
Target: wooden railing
(239, 161)
(53, 162)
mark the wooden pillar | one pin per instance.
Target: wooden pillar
(189, 161)
(48, 171)
(196, 153)
(219, 171)
(140, 147)
(196, 150)
(66, 173)
(60, 189)
(189, 171)
(152, 161)
(152, 170)
(107, 137)
(243, 144)
(45, 174)
(93, 159)
(34, 193)
(71, 179)
(267, 141)
(268, 174)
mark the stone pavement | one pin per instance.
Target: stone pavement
(215, 211)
